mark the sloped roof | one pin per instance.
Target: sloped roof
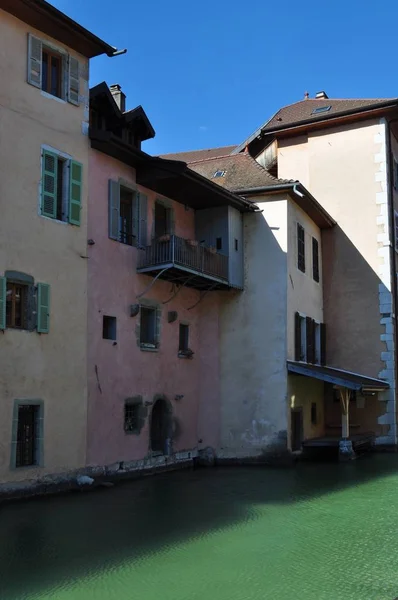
(194, 155)
(301, 113)
(241, 172)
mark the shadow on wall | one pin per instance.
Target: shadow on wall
(49, 543)
(351, 307)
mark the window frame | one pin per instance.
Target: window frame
(300, 247)
(154, 343)
(67, 162)
(39, 434)
(123, 189)
(134, 427)
(24, 304)
(314, 413)
(184, 350)
(51, 53)
(109, 326)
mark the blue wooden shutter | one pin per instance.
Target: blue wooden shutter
(34, 61)
(143, 219)
(43, 308)
(3, 293)
(73, 81)
(49, 184)
(114, 210)
(75, 192)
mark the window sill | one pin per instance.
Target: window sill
(52, 97)
(149, 348)
(185, 355)
(134, 432)
(54, 220)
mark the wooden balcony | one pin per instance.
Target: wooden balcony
(185, 262)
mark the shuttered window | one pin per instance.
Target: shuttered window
(315, 260)
(53, 71)
(300, 337)
(22, 305)
(128, 210)
(61, 188)
(300, 248)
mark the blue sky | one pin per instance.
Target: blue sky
(209, 73)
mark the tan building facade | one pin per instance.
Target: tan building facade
(43, 242)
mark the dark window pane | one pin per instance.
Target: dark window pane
(109, 328)
(126, 216)
(148, 325)
(55, 76)
(161, 220)
(44, 72)
(184, 338)
(60, 190)
(315, 259)
(300, 248)
(27, 435)
(219, 243)
(131, 417)
(16, 298)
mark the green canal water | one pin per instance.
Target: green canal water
(315, 532)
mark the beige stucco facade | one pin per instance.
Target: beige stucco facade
(346, 169)
(50, 367)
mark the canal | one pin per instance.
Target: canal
(315, 532)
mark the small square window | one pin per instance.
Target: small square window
(148, 326)
(109, 328)
(16, 305)
(131, 417)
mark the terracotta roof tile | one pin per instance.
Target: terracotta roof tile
(194, 155)
(241, 172)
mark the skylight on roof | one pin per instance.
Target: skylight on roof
(321, 109)
(219, 174)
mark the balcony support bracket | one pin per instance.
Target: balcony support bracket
(152, 283)
(179, 288)
(202, 295)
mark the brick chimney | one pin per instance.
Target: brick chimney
(118, 96)
(321, 96)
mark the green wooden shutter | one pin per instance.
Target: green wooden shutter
(75, 192)
(114, 210)
(3, 293)
(34, 61)
(143, 226)
(49, 184)
(297, 336)
(73, 81)
(43, 308)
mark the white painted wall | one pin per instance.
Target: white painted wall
(253, 340)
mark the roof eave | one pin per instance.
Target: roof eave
(46, 18)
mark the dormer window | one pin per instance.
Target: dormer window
(219, 174)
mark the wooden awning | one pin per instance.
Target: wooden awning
(339, 377)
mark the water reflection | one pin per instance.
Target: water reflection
(266, 530)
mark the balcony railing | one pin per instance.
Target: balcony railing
(178, 252)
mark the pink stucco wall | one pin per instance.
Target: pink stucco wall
(117, 372)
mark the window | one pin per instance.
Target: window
(109, 328)
(184, 338)
(218, 243)
(315, 260)
(126, 216)
(131, 417)
(320, 109)
(219, 174)
(314, 416)
(300, 337)
(236, 245)
(163, 220)
(396, 230)
(300, 248)
(16, 300)
(27, 435)
(22, 305)
(317, 336)
(148, 327)
(53, 71)
(61, 188)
